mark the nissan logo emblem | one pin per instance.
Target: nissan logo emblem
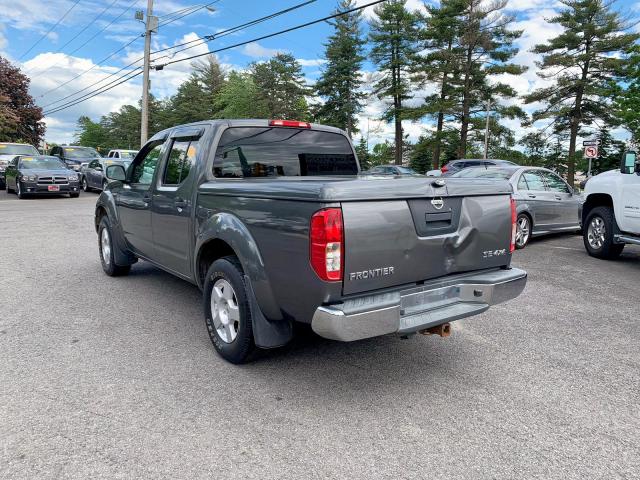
(437, 203)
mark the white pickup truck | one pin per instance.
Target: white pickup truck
(611, 211)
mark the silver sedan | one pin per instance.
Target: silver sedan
(545, 202)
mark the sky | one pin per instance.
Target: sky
(93, 30)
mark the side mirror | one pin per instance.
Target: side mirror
(628, 163)
(98, 168)
(116, 172)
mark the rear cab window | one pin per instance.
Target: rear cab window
(182, 158)
(249, 152)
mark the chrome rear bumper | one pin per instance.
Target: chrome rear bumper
(407, 311)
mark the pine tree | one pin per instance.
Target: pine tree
(438, 38)
(239, 98)
(281, 86)
(585, 60)
(627, 100)
(340, 80)
(486, 45)
(362, 151)
(393, 36)
(422, 153)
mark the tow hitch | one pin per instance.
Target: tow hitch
(444, 330)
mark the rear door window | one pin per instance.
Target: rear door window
(182, 158)
(282, 152)
(534, 181)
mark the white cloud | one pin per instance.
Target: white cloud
(315, 62)
(255, 50)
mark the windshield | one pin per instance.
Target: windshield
(80, 152)
(44, 163)
(484, 173)
(127, 155)
(6, 149)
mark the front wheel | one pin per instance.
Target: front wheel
(227, 312)
(598, 232)
(85, 185)
(105, 246)
(19, 191)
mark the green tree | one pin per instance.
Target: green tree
(585, 61)
(393, 36)
(536, 147)
(436, 64)
(627, 100)
(91, 134)
(340, 80)
(239, 98)
(422, 153)
(281, 87)
(20, 118)
(486, 45)
(362, 151)
(381, 154)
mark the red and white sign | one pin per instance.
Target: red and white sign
(591, 152)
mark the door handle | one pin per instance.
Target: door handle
(146, 199)
(558, 197)
(531, 196)
(180, 203)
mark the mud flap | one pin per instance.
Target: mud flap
(267, 334)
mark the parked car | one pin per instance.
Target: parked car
(545, 203)
(611, 212)
(74, 156)
(40, 174)
(455, 166)
(271, 220)
(122, 154)
(390, 170)
(8, 151)
(92, 173)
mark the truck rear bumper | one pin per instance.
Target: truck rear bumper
(410, 310)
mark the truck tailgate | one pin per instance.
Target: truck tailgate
(404, 241)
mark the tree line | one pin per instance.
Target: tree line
(451, 67)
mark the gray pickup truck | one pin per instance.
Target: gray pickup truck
(272, 220)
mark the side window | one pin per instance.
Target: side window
(522, 183)
(110, 155)
(182, 158)
(143, 171)
(555, 183)
(94, 164)
(534, 181)
(116, 155)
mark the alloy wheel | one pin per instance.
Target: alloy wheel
(105, 243)
(596, 233)
(523, 231)
(225, 311)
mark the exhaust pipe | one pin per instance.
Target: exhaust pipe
(444, 330)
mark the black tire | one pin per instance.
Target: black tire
(3, 185)
(19, 192)
(523, 222)
(109, 266)
(597, 242)
(74, 195)
(239, 349)
(85, 185)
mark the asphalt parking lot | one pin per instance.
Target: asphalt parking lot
(116, 378)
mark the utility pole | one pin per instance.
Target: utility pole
(486, 131)
(151, 25)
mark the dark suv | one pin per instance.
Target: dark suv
(456, 165)
(74, 156)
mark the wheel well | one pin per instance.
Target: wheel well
(595, 200)
(209, 253)
(100, 212)
(528, 215)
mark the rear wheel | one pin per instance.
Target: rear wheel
(598, 232)
(523, 230)
(227, 312)
(105, 246)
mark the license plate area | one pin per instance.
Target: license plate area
(420, 300)
(53, 188)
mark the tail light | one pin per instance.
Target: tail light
(444, 169)
(289, 123)
(326, 239)
(514, 227)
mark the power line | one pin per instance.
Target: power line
(78, 34)
(194, 10)
(50, 30)
(159, 67)
(208, 38)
